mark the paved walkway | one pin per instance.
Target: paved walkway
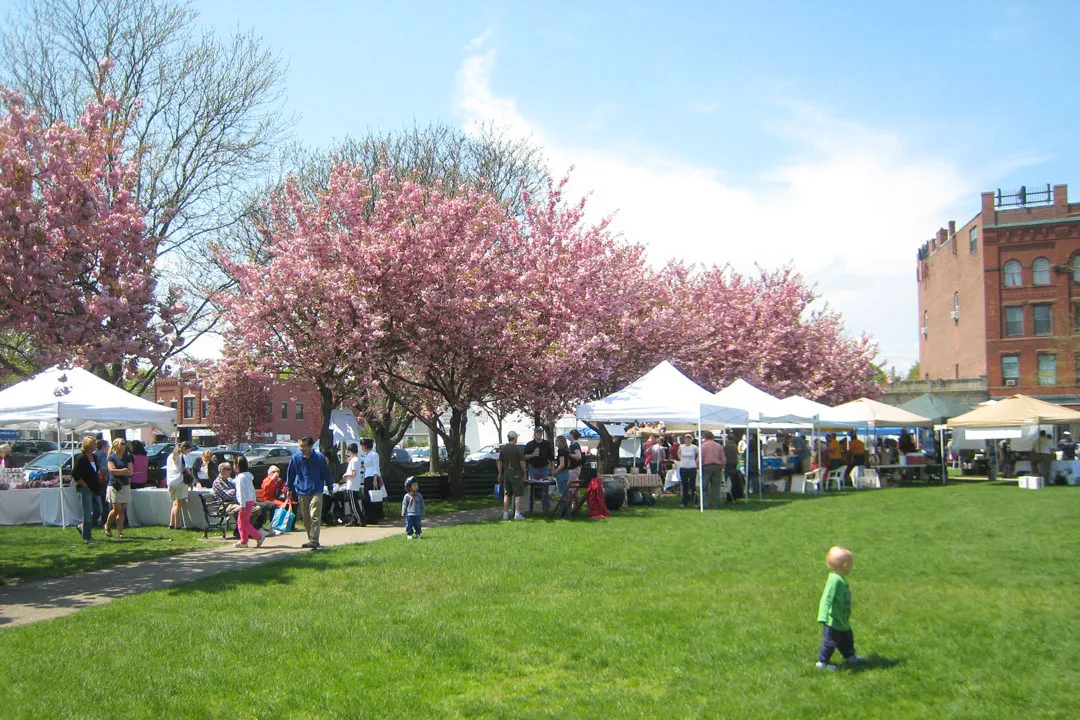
(46, 599)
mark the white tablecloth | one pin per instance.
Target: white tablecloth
(20, 507)
(50, 506)
(36, 506)
(151, 506)
(1069, 468)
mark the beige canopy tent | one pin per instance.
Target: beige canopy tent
(867, 413)
(1014, 411)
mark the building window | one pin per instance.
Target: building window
(1040, 271)
(1012, 274)
(1076, 269)
(1076, 317)
(1042, 319)
(284, 411)
(172, 404)
(189, 408)
(206, 408)
(973, 239)
(299, 411)
(1014, 321)
(925, 322)
(1010, 369)
(956, 302)
(1047, 369)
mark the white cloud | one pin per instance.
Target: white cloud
(849, 208)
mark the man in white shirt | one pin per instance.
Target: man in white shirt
(372, 478)
(354, 486)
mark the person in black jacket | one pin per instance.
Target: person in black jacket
(204, 469)
(85, 474)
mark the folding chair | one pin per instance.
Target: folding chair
(835, 477)
(810, 482)
(865, 478)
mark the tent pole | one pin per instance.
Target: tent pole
(700, 468)
(60, 468)
(760, 492)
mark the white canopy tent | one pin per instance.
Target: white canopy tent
(661, 395)
(75, 400)
(796, 406)
(766, 412)
(344, 427)
(758, 404)
(664, 395)
(867, 413)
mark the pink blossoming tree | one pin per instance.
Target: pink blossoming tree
(77, 281)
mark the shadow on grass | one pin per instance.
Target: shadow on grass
(874, 662)
(277, 571)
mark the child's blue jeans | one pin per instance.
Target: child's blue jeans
(832, 640)
(412, 525)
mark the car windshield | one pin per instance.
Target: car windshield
(49, 460)
(155, 448)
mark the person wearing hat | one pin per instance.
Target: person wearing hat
(174, 480)
(1067, 446)
(511, 464)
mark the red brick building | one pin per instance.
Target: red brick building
(999, 298)
(294, 410)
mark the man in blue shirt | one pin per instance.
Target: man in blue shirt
(306, 477)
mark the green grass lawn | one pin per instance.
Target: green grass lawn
(35, 552)
(964, 601)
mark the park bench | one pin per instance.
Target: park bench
(218, 515)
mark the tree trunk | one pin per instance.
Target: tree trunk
(326, 436)
(387, 428)
(607, 450)
(455, 450)
(433, 448)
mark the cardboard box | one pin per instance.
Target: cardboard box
(1031, 482)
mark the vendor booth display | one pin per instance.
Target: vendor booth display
(69, 402)
(1004, 418)
(664, 395)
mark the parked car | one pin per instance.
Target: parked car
(401, 455)
(261, 457)
(48, 463)
(158, 454)
(488, 452)
(423, 454)
(23, 451)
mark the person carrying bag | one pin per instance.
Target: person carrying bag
(284, 519)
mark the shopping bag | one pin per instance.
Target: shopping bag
(498, 491)
(284, 520)
(378, 493)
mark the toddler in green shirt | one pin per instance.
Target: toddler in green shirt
(834, 611)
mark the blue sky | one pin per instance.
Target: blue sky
(834, 135)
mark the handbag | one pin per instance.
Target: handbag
(284, 519)
(378, 493)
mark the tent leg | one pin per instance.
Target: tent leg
(700, 468)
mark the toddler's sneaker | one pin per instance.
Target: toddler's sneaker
(824, 666)
(506, 516)
(408, 537)
(519, 516)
